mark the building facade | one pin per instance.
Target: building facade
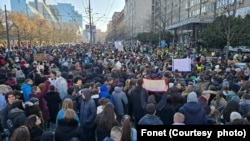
(187, 18)
(137, 17)
(62, 15)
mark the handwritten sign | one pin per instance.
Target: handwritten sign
(39, 57)
(154, 85)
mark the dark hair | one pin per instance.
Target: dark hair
(18, 104)
(30, 122)
(8, 94)
(70, 90)
(150, 108)
(239, 122)
(107, 119)
(77, 78)
(20, 134)
(126, 128)
(139, 82)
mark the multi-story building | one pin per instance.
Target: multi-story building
(187, 18)
(137, 17)
(120, 26)
(43, 9)
(61, 12)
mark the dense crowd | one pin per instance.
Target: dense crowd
(96, 92)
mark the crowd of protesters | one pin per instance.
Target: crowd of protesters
(96, 93)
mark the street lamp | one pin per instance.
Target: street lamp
(7, 28)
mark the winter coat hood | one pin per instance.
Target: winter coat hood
(87, 93)
(118, 89)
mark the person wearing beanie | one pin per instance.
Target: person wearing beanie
(194, 113)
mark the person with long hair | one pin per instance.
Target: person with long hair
(105, 121)
(33, 124)
(20, 134)
(66, 104)
(67, 127)
(128, 132)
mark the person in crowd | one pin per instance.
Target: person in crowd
(138, 99)
(203, 101)
(234, 115)
(26, 89)
(150, 118)
(128, 132)
(20, 134)
(178, 119)
(104, 90)
(71, 95)
(47, 136)
(120, 102)
(52, 79)
(66, 104)
(2, 101)
(39, 92)
(17, 115)
(231, 106)
(166, 110)
(245, 104)
(10, 99)
(67, 127)
(87, 115)
(32, 107)
(102, 102)
(219, 102)
(53, 101)
(78, 85)
(61, 85)
(95, 96)
(105, 121)
(194, 113)
(115, 134)
(33, 124)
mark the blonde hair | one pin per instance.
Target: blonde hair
(67, 104)
(69, 114)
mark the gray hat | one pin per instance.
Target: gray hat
(192, 97)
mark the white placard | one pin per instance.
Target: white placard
(181, 65)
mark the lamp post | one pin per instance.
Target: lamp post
(7, 28)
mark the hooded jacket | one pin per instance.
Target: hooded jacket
(120, 101)
(194, 114)
(88, 110)
(26, 88)
(66, 129)
(149, 119)
(17, 116)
